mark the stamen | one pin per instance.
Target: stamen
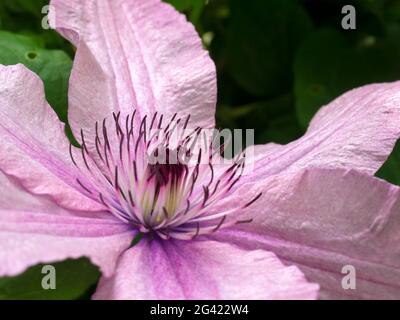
(120, 146)
(165, 213)
(81, 184)
(84, 158)
(152, 121)
(131, 198)
(105, 136)
(220, 224)
(83, 142)
(244, 221)
(116, 179)
(143, 129)
(186, 122)
(254, 200)
(102, 199)
(98, 143)
(171, 199)
(206, 195)
(212, 174)
(197, 231)
(70, 153)
(135, 170)
(116, 121)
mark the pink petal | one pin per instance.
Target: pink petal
(25, 244)
(34, 230)
(14, 198)
(322, 220)
(24, 250)
(28, 238)
(34, 148)
(134, 54)
(356, 131)
(202, 270)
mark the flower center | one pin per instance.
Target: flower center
(158, 178)
(164, 191)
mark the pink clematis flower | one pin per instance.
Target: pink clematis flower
(312, 206)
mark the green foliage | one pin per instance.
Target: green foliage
(262, 39)
(328, 64)
(193, 8)
(53, 66)
(391, 169)
(74, 278)
(25, 17)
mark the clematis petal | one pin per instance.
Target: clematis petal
(13, 197)
(34, 148)
(202, 270)
(28, 238)
(134, 54)
(358, 131)
(33, 229)
(325, 219)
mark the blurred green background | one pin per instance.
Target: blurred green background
(278, 62)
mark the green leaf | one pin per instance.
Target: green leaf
(53, 66)
(22, 14)
(273, 120)
(390, 171)
(263, 37)
(194, 8)
(32, 7)
(282, 130)
(74, 278)
(374, 6)
(393, 11)
(327, 65)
